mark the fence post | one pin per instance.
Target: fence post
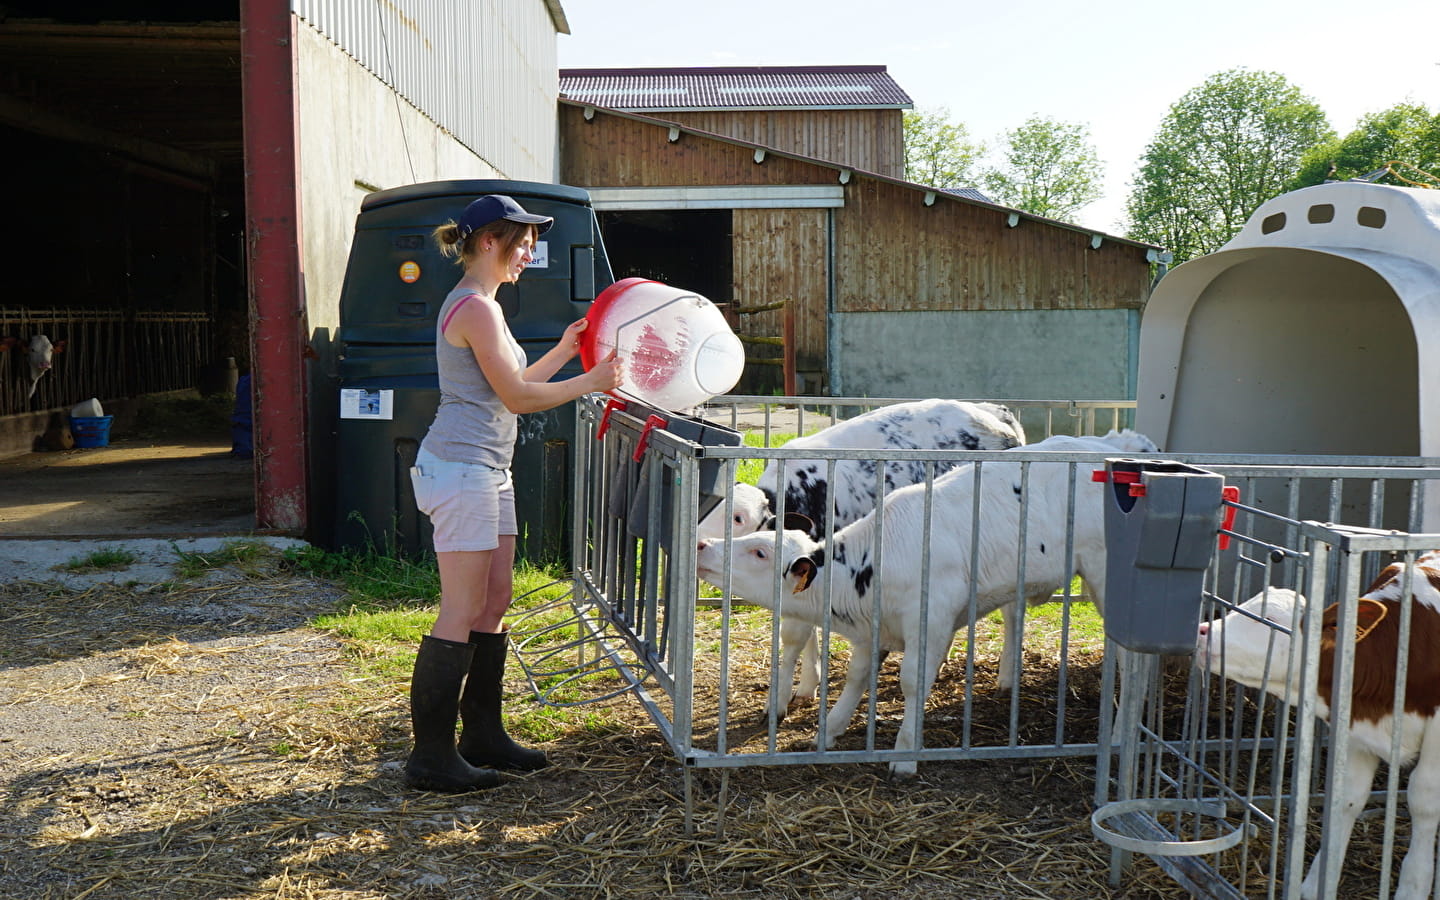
(787, 350)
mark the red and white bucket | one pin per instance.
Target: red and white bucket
(676, 348)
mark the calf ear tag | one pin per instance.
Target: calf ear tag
(804, 571)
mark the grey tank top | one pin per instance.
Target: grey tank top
(471, 425)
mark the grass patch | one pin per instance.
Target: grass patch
(372, 579)
(109, 560)
(248, 557)
(392, 603)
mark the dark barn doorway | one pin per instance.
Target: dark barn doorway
(687, 249)
(126, 243)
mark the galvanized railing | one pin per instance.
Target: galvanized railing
(699, 659)
(108, 354)
(1232, 790)
(802, 415)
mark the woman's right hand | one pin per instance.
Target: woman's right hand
(606, 374)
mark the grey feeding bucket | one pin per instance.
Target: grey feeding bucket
(1161, 520)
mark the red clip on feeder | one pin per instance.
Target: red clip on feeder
(1230, 493)
(1231, 496)
(651, 423)
(610, 406)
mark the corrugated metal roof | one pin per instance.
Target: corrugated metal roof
(748, 87)
(968, 193)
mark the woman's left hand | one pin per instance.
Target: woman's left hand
(571, 339)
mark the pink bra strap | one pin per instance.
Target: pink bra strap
(453, 310)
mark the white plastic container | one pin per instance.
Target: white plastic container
(87, 409)
(676, 348)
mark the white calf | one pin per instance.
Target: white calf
(1242, 643)
(797, 638)
(934, 424)
(750, 512)
(803, 561)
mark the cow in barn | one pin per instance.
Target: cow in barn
(39, 356)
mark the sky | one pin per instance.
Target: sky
(1114, 66)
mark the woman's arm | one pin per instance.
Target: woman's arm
(544, 368)
(480, 324)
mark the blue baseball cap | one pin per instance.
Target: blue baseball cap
(492, 208)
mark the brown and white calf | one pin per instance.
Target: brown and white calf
(1243, 645)
(39, 356)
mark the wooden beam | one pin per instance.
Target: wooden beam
(37, 120)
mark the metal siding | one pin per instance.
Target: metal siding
(483, 72)
(747, 87)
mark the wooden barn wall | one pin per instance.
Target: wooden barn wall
(872, 140)
(612, 151)
(894, 253)
(779, 254)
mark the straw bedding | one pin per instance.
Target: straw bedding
(199, 741)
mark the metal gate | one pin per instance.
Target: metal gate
(704, 665)
(1230, 789)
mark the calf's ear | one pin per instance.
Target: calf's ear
(58, 348)
(804, 570)
(798, 522)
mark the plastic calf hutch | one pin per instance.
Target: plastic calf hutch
(1302, 335)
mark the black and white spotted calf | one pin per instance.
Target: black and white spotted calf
(934, 424)
(802, 562)
(916, 425)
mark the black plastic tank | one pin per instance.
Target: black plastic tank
(394, 286)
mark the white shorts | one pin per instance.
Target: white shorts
(470, 505)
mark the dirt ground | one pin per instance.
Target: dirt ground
(172, 487)
(172, 737)
(196, 739)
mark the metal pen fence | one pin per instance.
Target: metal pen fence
(108, 354)
(1233, 790)
(704, 664)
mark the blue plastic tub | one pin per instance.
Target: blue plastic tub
(91, 432)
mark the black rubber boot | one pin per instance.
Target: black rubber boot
(435, 764)
(483, 741)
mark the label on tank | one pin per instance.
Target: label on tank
(359, 403)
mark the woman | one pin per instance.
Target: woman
(462, 482)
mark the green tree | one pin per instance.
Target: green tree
(1050, 169)
(1406, 133)
(1224, 148)
(939, 152)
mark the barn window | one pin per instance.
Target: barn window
(1371, 217)
(1321, 213)
(1272, 224)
